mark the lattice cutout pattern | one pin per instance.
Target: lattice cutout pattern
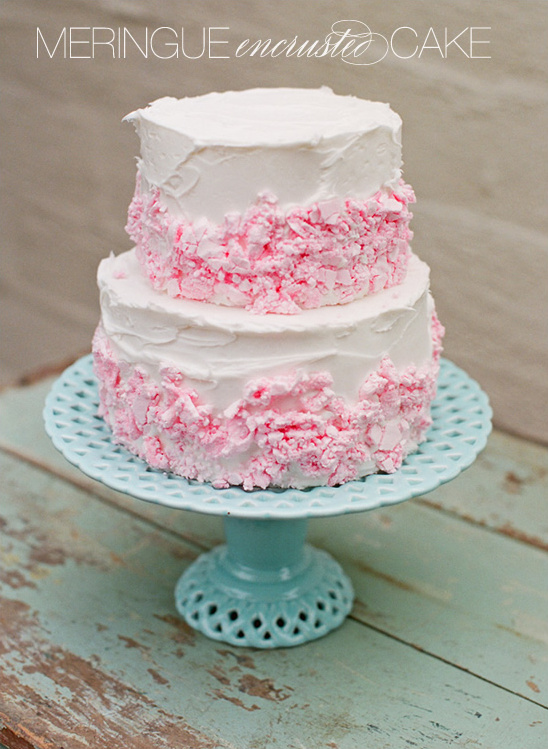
(207, 606)
(462, 423)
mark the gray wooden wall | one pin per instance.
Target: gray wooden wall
(474, 149)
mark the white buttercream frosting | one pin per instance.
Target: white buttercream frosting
(219, 349)
(213, 154)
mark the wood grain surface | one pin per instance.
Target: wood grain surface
(447, 644)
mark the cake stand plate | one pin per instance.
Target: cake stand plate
(266, 587)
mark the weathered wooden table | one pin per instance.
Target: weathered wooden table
(447, 644)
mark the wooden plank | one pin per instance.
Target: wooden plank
(506, 490)
(94, 656)
(471, 597)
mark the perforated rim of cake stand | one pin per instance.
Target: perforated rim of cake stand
(461, 425)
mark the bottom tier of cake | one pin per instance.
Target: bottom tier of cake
(226, 396)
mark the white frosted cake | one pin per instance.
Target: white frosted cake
(271, 327)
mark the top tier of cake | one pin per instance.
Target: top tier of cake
(275, 200)
(213, 154)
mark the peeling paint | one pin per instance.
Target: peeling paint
(242, 659)
(246, 683)
(507, 528)
(234, 700)
(218, 673)
(15, 579)
(51, 543)
(158, 678)
(384, 576)
(526, 538)
(12, 740)
(512, 483)
(91, 706)
(264, 688)
(131, 643)
(183, 634)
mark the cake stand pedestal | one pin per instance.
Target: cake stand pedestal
(266, 587)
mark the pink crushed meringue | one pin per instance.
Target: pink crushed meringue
(288, 430)
(270, 260)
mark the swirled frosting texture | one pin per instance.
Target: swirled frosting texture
(213, 154)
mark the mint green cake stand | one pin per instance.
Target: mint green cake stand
(266, 587)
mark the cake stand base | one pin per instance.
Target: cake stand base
(265, 588)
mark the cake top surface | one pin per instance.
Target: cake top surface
(267, 116)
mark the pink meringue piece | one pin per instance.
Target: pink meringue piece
(269, 260)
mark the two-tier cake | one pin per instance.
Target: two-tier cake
(271, 327)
